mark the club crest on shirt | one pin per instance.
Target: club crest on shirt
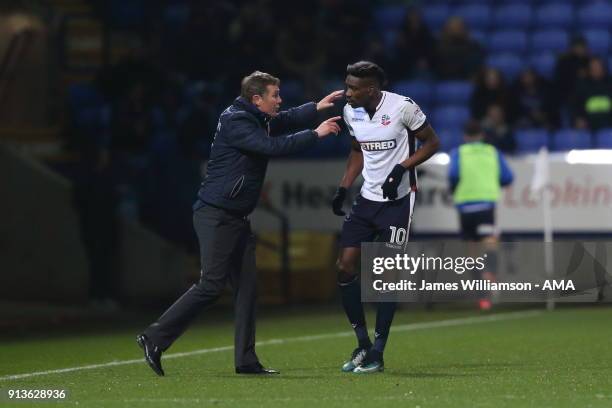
(385, 120)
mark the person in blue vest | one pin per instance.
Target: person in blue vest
(477, 172)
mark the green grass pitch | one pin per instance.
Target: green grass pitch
(434, 359)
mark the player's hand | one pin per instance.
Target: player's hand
(328, 126)
(392, 181)
(328, 101)
(338, 201)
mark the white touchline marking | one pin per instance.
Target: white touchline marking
(400, 328)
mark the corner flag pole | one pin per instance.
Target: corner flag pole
(539, 184)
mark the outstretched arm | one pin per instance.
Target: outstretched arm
(301, 117)
(249, 137)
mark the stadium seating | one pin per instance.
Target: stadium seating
(554, 15)
(291, 91)
(482, 37)
(450, 138)
(568, 139)
(530, 140)
(453, 92)
(84, 95)
(420, 91)
(603, 139)
(513, 16)
(554, 40)
(543, 64)
(508, 41)
(476, 16)
(390, 17)
(126, 14)
(509, 64)
(436, 15)
(450, 116)
(598, 40)
(596, 15)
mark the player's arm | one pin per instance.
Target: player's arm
(354, 166)
(249, 137)
(430, 145)
(415, 121)
(301, 117)
(453, 170)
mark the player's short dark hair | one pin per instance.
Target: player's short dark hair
(472, 128)
(256, 84)
(367, 69)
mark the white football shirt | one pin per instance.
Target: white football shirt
(386, 139)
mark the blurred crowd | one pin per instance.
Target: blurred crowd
(145, 125)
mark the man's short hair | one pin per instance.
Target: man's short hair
(472, 128)
(367, 69)
(256, 84)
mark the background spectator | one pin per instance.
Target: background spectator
(593, 98)
(490, 90)
(496, 129)
(570, 68)
(457, 55)
(533, 104)
(414, 48)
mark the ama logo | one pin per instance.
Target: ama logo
(385, 120)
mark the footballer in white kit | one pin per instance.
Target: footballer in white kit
(384, 127)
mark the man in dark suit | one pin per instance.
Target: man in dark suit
(249, 132)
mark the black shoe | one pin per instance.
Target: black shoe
(152, 354)
(255, 368)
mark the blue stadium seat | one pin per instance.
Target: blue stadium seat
(292, 91)
(513, 16)
(509, 64)
(389, 17)
(450, 138)
(596, 15)
(544, 64)
(127, 14)
(450, 116)
(420, 91)
(436, 15)
(82, 95)
(476, 16)
(508, 41)
(93, 117)
(603, 139)
(389, 39)
(530, 140)
(453, 92)
(549, 41)
(554, 15)
(568, 139)
(598, 40)
(482, 37)
(176, 15)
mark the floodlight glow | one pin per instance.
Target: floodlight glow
(600, 156)
(440, 158)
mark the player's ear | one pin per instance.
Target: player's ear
(256, 100)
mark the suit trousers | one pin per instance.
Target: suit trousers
(227, 251)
